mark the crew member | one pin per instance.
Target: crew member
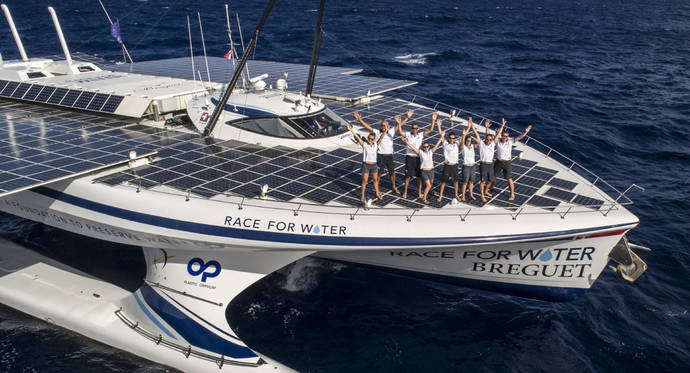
(368, 162)
(468, 158)
(504, 150)
(412, 162)
(426, 156)
(487, 148)
(451, 151)
(384, 156)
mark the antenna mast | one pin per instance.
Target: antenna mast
(315, 52)
(17, 40)
(63, 43)
(245, 56)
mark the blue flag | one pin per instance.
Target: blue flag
(115, 31)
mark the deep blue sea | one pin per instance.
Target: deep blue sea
(605, 82)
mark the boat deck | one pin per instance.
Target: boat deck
(209, 168)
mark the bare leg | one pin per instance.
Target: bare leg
(471, 186)
(481, 191)
(512, 189)
(455, 188)
(440, 192)
(407, 182)
(365, 178)
(427, 188)
(376, 186)
(419, 189)
(395, 189)
(464, 185)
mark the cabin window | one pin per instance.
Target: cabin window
(35, 75)
(324, 124)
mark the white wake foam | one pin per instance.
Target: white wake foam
(414, 58)
(302, 275)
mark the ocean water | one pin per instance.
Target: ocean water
(605, 82)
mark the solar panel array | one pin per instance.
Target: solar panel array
(72, 98)
(209, 168)
(40, 144)
(334, 82)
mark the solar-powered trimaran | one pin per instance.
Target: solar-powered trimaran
(223, 184)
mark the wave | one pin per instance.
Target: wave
(414, 58)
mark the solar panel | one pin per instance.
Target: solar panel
(84, 100)
(563, 184)
(320, 195)
(57, 96)
(9, 89)
(248, 190)
(539, 174)
(21, 90)
(45, 94)
(588, 201)
(543, 202)
(97, 102)
(33, 92)
(49, 145)
(560, 194)
(329, 81)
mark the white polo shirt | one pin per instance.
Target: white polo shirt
(451, 152)
(427, 160)
(369, 154)
(468, 155)
(386, 145)
(486, 152)
(415, 141)
(505, 149)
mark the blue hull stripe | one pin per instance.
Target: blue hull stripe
(190, 330)
(307, 239)
(153, 318)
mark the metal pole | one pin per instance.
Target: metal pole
(315, 50)
(223, 100)
(17, 40)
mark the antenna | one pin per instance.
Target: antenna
(124, 48)
(233, 53)
(68, 57)
(318, 39)
(220, 106)
(191, 49)
(239, 28)
(17, 40)
(203, 45)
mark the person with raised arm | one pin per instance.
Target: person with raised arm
(368, 161)
(504, 153)
(384, 156)
(451, 151)
(415, 138)
(487, 148)
(427, 164)
(468, 158)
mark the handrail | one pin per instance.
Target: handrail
(188, 351)
(528, 138)
(561, 209)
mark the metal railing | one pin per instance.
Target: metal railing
(188, 350)
(603, 187)
(546, 150)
